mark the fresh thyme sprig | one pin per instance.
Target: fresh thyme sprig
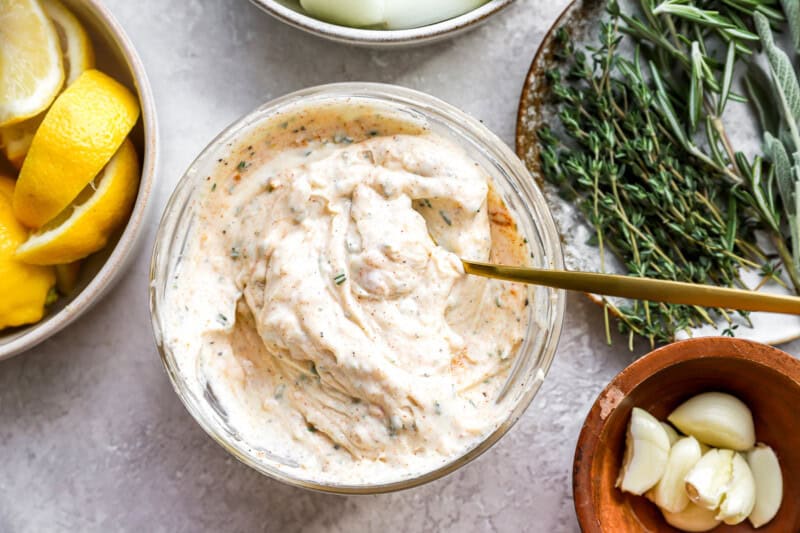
(649, 160)
(694, 48)
(657, 205)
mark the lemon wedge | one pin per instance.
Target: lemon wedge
(30, 58)
(77, 57)
(15, 140)
(80, 133)
(87, 224)
(25, 288)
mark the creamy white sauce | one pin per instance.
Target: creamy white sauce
(313, 307)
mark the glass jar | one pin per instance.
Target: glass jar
(510, 179)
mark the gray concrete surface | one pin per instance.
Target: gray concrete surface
(92, 437)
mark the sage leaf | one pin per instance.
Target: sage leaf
(783, 77)
(783, 170)
(792, 10)
(761, 97)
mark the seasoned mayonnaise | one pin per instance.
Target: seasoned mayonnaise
(314, 311)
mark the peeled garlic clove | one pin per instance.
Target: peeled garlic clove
(693, 518)
(707, 481)
(769, 484)
(671, 433)
(670, 493)
(646, 452)
(716, 419)
(740, 495)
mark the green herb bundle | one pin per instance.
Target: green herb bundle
(644, 153)
(781, 130)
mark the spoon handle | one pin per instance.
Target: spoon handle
(654, 290)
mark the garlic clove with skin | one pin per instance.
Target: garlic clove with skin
(646, 451)
(740, 494)
(693, 518)
(670, 493)
(769, 484)
(708, 480)
(717, 419)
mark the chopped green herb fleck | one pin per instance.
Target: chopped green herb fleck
(242, 165)
(444, 217)
(279, 391)
(311, 428)
(235, 253)
(222, 319)
(214, 186)
(340, 278)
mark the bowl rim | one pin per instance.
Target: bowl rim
(117, 261)
(618, 389)
(367, 37)
(539, 212)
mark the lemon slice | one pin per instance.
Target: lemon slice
(25, 288)
(77, 56)
(30, 58)
(76, 46)
(82, 130)
(85, 226)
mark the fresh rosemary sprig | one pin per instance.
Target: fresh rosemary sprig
(656, 201)
(665, 131)
(694, 48)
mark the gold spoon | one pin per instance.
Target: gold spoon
(654, 290)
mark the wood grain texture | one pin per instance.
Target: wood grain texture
(765, 378)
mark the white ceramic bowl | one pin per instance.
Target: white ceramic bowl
(116, 56)
(289, 11)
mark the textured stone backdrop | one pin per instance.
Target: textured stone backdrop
(92, 437)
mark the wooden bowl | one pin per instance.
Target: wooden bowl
(765, 378)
